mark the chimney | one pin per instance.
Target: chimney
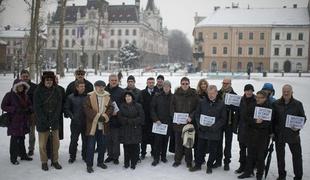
(294, 5)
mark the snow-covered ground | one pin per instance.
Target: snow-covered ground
(32, 170)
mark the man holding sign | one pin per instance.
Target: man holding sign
(289, 117)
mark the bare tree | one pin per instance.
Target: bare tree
(179, 47)
(99, 4)
(60, 59)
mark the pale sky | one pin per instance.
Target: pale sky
(177, 14)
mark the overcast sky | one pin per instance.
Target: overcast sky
(177, 14)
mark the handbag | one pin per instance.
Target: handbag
(4, 119)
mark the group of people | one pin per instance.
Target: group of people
(107, 115)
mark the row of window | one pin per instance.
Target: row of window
(112, 32)
(251, 36)
(287, 51)
(92, 43)
(240, 49)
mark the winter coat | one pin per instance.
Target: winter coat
(183, 102)
(245, 116)
(31, 90)
(230, 109)
(148, 122)
(74, 109)
(71, 87)
(281, 110)
(137, 94)
(160, 108)
(18, 106)
(91, 110)
(61, 117)
(47, 104)
(214, 109)
(131, 117)
(116, 94)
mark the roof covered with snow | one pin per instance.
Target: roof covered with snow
(257, 17)
(13, 34)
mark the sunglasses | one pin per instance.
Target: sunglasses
(80, 74)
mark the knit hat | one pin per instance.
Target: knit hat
(100, 83)
(248, 87)
(48, 74)
(131, 77)
(269, 86)
(160, 77)
(128, 93)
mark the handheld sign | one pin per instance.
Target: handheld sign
(116, 109)
(232, 99)
(296, 122)
(206, 120)
(262, 113)
(180, 118)
(160, 129)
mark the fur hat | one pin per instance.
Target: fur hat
(48, 74)
(248, 87)
(19, 82)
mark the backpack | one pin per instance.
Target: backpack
(188, 135)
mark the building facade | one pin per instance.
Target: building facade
(238, 39)
(119, 24)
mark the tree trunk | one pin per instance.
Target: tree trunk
(97, 39)
(35, 7)
(60, 59)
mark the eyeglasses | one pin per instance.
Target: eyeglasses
(80, 74)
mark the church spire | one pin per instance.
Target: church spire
(150, 5)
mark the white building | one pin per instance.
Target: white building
(120, 24)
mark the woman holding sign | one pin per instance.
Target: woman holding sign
(258, 134)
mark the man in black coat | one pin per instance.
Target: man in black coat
(131, 81)
(80, 76)
(229, 127)
(159, 84)
(283, 107)
(25, 76)
(113, 144)
(147, 135)
(47, 103)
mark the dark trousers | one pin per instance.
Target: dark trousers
(296, 158)
(228, 131)
(242, 153)
(76, 131)
(202, 148)
(113, 144)
(212, 146)
(17, 147)
(196, 151)
(131, 154)
(180, 149)
(160, 146)
(91, 141)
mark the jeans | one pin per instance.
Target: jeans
(99, 137)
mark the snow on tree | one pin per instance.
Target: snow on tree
(129, 56)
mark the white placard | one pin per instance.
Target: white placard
(116, 109)
(180, 118)
(160, 128)
(263, 113)
(296, 122)
(232, 99)
(206, 120)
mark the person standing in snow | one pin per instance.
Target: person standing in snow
(80, 76)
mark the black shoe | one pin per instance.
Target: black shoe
(115, 161)
(26, 158)
(244, 175)
(259, 178)
(155, 162)
(56, 165)
(209, 170)
(226, 167)
(281, 178)
(71, 160)
(44, 167)
(90, 169)
(216, 165)
(164, 160)
(239, 170)
(126, 165)
(133, 166)
(176, 164)
(142, 157)
(189, 165)
(15, 162)
(30, 153)
(109, 159)
(195, 168)
(103, 166)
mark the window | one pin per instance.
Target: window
(226, 35)
(275, 67)
(251, 36)
(214, 50)
(119, 32)
(277, 36)
(9, 43)
(225, 50)
(67, 43)
(134, 32)
(67, 32)
(73, 32)
(92, 42)
(262, 36)
(300, 36)
(73, 43)
(101, 42)
(82, 42)
(224, 66)
(53, 43)
(126, 41)
(134, 42)
(199, 48)
(200, 36)
(240, 35)
(276, 51)
(261, 51)
(215, 35)
(299, 51)
(239, 66)
(288, 36)
(250, 51)
(119, 43)
(239, 50)
(112, 32)
(112, 43)
(288, 52)
(127, 32)
(53, 32)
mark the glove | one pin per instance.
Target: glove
(101, 119)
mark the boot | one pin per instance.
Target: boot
(90, 169)
(155, 162)
(44, 167)
(116, 161)
(195, 168)
(102, 165)
(209, 170)
(109, 159)
(240, 169)
(226, 167)
(30, 153)
(26, 158)
(176, 164)
(56, 165)
(244, 175)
